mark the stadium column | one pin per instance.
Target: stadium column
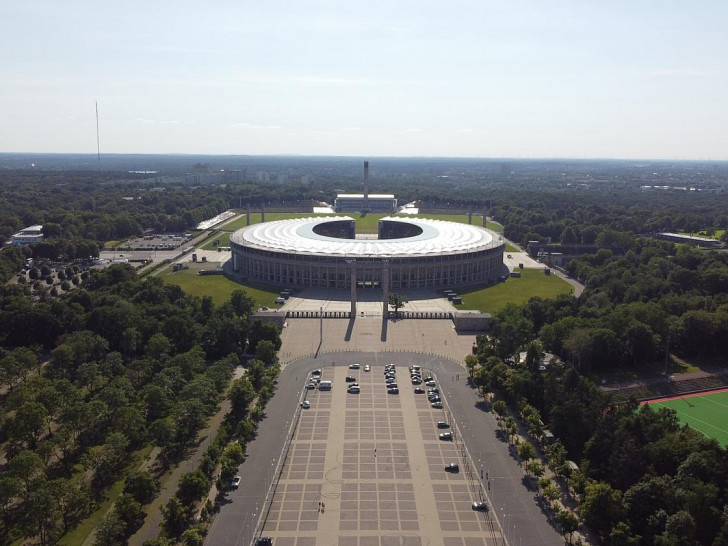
(352, 276)
(385, 288)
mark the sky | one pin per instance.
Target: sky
(518, 79)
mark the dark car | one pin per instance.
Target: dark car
(443, 424)
(393, 390)
(480, 505)
(350, 379)
(436, 405)
(264, 541)
(419, 390)
(452, 467)
(446, 436)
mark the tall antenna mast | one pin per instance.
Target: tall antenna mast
(98, 145)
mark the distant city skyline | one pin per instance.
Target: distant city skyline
(563, 79)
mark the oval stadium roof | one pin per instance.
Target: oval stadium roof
(297, 236)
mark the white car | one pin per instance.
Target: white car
(354, 366)
(305, 404)
(367, 368)
(235, 483)
(353, 389)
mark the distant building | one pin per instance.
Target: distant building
(357, 202)
(704, 242)
(31, 234)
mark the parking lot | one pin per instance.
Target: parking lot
(369, 469)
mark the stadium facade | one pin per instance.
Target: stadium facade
(409, 253)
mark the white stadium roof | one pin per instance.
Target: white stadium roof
(297, 236)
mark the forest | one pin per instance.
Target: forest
(103, 374)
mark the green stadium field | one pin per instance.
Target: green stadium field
(706, 412)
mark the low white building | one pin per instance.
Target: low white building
(31, 234)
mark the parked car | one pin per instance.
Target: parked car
(443, 424)
(367, 368)
(480, 505)
(436, 405)
(235, 483)
(305, 404)
(431, 383)
(393, 390)
(311, 385)
(353, 389)
(354, 366)
(452, 467)
(446, 436)
(419, 390)
(350, 379)
(264, 541)
(316, 372)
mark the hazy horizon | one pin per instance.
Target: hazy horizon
(482, 80)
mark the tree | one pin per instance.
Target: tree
(192, 537)
(193, 486)
(396, 301)
(110, 530)
(242, 303)
(141, 485)
(27, 466)
(537, 469)
(130, 512)
(10, 488)
(602, 507)
(471, 361)
(71, 501)
(526, 452)
(29, 423)
(265, 351)
(499, 408)
(568, 236)
(578, 345)
(568, 522)
(175, 517)
(482, 380)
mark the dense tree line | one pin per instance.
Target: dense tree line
(92, 377)
(644, 479)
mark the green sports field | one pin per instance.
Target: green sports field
(707, 413)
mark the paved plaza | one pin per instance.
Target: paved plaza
(375, 463)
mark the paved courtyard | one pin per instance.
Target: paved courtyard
(368, 469)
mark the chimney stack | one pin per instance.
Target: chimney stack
(366, 181)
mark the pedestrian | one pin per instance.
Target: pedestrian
(488, 485)
(486, 476)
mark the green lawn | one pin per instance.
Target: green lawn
(707, 413)
(533, 282)
(223, 237)
(219, 287)
(511, 248)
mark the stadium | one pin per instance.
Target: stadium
(408, 253)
